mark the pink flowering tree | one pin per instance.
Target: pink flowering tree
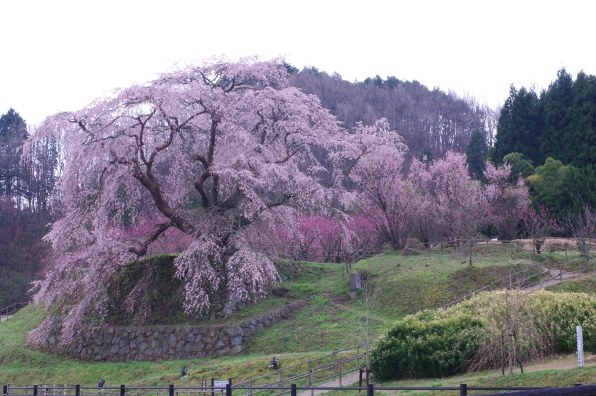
(508, 200)
(446, 194)
(383, 196)
(211, 152)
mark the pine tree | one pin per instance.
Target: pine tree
(476, 153)
(520, 127)
(13, 132)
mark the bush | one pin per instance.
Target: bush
(422, 346)
(436, 343)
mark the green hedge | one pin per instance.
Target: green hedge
(421, 346)
(437, 343)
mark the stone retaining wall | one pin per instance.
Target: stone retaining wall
(163, 342)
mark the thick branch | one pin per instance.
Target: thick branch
(157, 231)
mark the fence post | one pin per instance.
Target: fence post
(293, 390)
(360, 378)
(281, 380)
(334, 362)
(228, 389)
(370, 390)
(463, 389)
(212, 385)
(78, 390)
(171, 390)
(123, 390)
(311, 378)
(339, 373)
(4, 390)
(34, 390)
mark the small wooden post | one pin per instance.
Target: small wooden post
(463, 389)
(281, 380)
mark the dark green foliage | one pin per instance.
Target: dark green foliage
(13, 132)
(560, 127)
(562, 188)
(476, 153)
(520, 167)
(556, 102)
(580, 139)
(519, 127)
(421, 346)
(21, 251)
(163, 293)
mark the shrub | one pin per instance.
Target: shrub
(423, 346)
(475, 334)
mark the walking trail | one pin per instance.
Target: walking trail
(346, 380)
(555, 277)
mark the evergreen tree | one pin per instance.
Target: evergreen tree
(476, 153)
(579, 143)
(13, 132)
(556, 102)
(519, 127)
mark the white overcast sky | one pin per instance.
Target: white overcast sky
(58, 55)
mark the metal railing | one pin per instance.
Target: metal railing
(13, 308)
(291, 390)
(310, 372)
(514, 281)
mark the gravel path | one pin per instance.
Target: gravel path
(555, 278)
(346, 380)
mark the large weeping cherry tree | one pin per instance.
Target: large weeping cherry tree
(210, 152)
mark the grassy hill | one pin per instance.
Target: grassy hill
(397, 285)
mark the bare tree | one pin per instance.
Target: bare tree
(582, 226)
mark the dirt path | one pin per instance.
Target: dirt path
(346, 380)
(555, 277)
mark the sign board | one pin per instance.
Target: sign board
(220, 384)
(580, 346)
(355, 281)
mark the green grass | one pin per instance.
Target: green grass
(331, 319)
(554, 372)
(585, 285)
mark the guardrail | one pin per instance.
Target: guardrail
(311, 371)
(292, 390)
(13, 308)
(508, 281)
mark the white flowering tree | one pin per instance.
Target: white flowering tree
(209, 152)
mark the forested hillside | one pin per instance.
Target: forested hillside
(550, 138)
(25, 188)
(431, 122)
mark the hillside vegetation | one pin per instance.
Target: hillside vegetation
(398, 285)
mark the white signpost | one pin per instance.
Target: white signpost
(221, 384)
(580, 346)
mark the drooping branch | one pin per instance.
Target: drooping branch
(157, 231)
